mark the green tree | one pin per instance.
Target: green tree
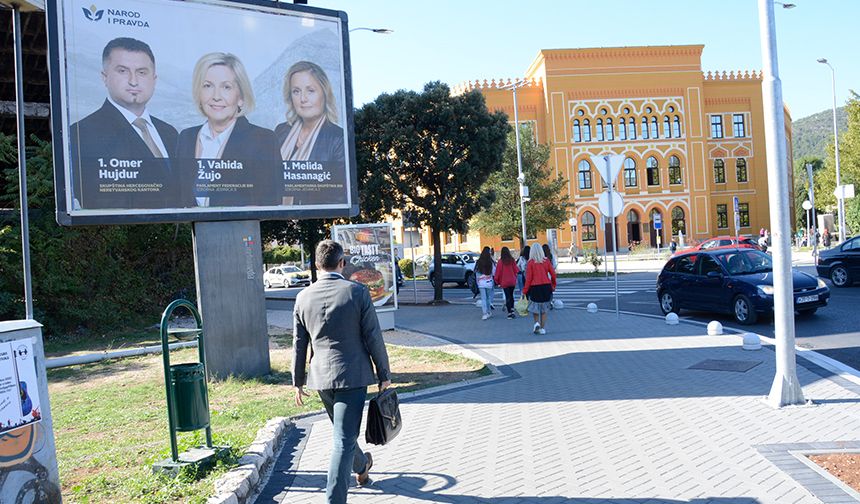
(849, 164)
(429, 153)
(548, 202)
(801, 186)
(90, 278)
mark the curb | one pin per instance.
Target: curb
(237, 485)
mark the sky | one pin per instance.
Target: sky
(458, 40)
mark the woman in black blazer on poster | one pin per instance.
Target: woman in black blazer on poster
(311, 132)
(223, 94)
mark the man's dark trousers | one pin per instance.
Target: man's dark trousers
(344, 408)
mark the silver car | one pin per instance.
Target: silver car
(456, 267)
(286, 276)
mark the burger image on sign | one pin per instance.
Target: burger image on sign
(373, 280)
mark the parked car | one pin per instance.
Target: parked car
(718, 242)
(737, 281)
(456, 267)
(286, 276)
(841, 264)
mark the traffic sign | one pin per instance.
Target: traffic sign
(608, 167)
(658, 221)
(617, 203)
(845, 190)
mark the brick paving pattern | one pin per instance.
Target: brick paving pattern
(598, 410)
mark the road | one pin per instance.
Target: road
(833, 331)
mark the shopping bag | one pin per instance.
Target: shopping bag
(522, 306)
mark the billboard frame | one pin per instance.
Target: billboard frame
(59, 128)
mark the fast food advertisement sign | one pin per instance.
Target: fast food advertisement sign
(369, 252)
(195, 110)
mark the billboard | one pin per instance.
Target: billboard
(369, 254)
(169, 111)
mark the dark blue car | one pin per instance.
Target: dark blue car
(736, 281)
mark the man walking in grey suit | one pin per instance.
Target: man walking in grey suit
(337, 319)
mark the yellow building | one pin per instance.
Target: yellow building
(692, 140)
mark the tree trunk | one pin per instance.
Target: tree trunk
(437, 264)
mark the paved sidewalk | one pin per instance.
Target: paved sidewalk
(598, 410)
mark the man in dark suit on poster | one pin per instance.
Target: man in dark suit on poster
(120, 153)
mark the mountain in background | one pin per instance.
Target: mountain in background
(812, 134)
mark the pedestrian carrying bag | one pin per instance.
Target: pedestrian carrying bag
(383, 418)
(522, 306)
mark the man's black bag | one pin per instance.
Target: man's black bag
(383, 418)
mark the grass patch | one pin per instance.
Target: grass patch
(88, 343)
(110, 419)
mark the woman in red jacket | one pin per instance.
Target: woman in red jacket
(540, 283)
(506, 277)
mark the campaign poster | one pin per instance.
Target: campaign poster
(369, 253)
(19, 391)
(173, 110)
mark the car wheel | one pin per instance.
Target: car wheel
(668, 304)
(808, 312)
(744, 311)
(267, 284)
(839, 276)
(433, 280)
(470, 281)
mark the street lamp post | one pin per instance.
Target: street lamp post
(521, 179)
(786, 389)
(840, 195)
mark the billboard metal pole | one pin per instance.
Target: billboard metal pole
(22, 161)
(786, 389)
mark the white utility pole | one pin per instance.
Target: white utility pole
(786, 389)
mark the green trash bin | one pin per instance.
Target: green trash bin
(189, 391)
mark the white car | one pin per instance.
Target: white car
(286, 276)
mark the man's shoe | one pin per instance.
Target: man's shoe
(536, 328)
(363, 478)
(541, 331)
(485, 316)
(511, 315)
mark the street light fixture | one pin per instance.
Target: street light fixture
(840, 195)
(786, 5)
(521, 179)
(383, 31)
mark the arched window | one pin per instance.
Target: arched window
(610, 132)
(632, 216)
(678, 223)
(645, 128)
(586, 130)
(622, 129)
(674, 170)
(741, 166)
(630, 173)
(584, 174)
(667, 132)
(599, 130)
(652, 169)
(676, 127)
(655, 133)
(577, 131)
(719, 171)
(589, 230)
(631, 129)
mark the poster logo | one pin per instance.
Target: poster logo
(92, 14)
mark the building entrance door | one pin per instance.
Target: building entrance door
(607, 236)
(634, 227)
